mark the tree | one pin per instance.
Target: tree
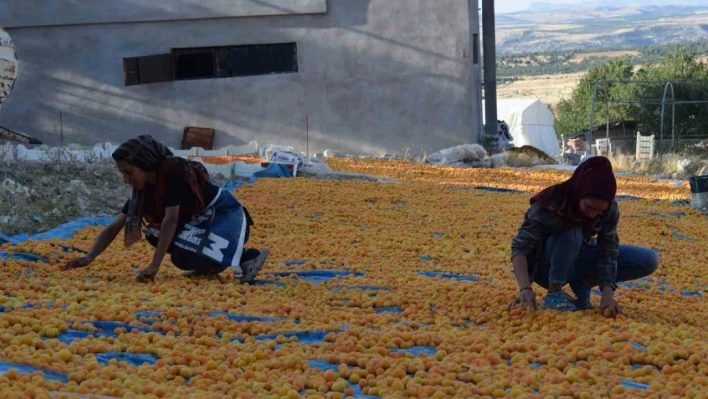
(574, 113)
(679, 65)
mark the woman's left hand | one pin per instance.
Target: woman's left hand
(607, 302)
(148, 274)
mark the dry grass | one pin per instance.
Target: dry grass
(657, 166)
(580, 57)
(550, 89)
(517, 160)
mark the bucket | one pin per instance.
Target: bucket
(699, 191)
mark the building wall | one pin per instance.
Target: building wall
(374, 76)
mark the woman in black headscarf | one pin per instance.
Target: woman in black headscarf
(556, 243)
(181, 212)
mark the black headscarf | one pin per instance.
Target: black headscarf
(150, 155)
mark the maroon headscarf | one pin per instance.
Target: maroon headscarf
(593, 178)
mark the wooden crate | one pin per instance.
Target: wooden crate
(198, 137)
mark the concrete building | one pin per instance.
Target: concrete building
(363, 76)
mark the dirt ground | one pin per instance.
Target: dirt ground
(550, 89)
(45, 195)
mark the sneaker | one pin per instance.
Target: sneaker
(252, 267)
(559, 301)
(582, 294)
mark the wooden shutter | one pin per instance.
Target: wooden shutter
(130, 71)
(148, 69)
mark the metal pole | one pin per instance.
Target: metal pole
(607, 119)
(475, 64)
(307, 132)
(61, 129)
(663, 111)
(592, 114)
(490, 67)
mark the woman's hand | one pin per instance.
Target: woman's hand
(78, 263)
(608, 305)
(526, 299)
(148, 274)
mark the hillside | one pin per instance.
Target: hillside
(546, 27)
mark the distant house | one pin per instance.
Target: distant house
(622, 135)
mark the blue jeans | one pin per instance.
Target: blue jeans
(564, 262)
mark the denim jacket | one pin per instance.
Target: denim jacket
(540, 223)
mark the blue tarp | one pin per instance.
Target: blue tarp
(303, 337)
(392, 309)
(294, 263)
(449, 276)
(498, 190)
(274, 170)
(417, 350)
(682, 237)
(637, 346)
(426, 258)
(134, 359)
(360, 287)
(628, 198)
(108, 328)
(324, 365)
(247, 319)
(62, 232)
(22, 257)
(634, 385)
(318, 276)
(268, 282)
(21, 368)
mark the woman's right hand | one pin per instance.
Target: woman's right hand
(526, 299)
(78, 263)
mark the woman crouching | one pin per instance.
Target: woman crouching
(203, 228)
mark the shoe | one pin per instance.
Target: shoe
(559, 301)
(251, 268)
(582, 294)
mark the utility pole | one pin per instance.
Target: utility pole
(475, 64)
(490, 67)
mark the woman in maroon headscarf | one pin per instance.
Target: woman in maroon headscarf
(555, 245)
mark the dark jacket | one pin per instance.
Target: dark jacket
(540, 223)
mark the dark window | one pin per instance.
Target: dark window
(475, 48)
(212, 62)
(264, 59)
(194, 64)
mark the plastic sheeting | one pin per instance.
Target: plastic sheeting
(392, 309)
(360, 287)
(246, 318)
(303, 337)
(62, 232)
(274, 170)
(23, 369)
(318, 276)
(22, 257)
(134, 359)
(450, 276)
(417, 350)
(498, 190)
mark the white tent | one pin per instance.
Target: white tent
(530, 123)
